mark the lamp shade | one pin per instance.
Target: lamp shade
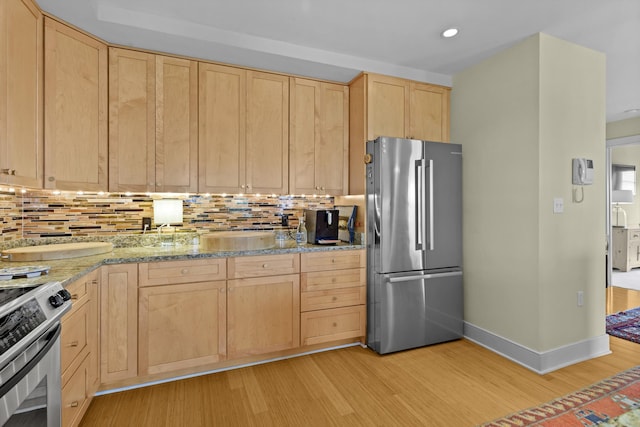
(167, 211)
(622, 196)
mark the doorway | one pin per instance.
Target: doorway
(623, 212)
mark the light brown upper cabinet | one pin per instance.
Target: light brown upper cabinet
(389, 106)
(319, 138)
(243, 131)
(153, 122)
(21, 74)
(75, 109)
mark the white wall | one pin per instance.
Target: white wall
(521, 117)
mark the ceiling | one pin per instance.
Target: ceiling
(336, 39)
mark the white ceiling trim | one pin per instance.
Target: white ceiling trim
(181, 28)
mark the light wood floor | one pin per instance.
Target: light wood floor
(453, 384)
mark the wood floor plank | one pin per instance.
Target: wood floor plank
(451, 384)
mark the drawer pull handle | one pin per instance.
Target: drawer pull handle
(184, 271)
(333, 260)
(94, 282)
(73, 344)
(74, 297)
(74, 404)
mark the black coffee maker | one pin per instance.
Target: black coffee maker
(322, 226)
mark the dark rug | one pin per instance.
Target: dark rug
(613, 402)
(625, 324)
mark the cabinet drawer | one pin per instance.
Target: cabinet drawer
(333, 324)
(323, 280)
(269, 265)
(332, 298)
(73, 338)
(332, 260)
(634, 235)
(174, 272)
(79, 291)
(74, 396)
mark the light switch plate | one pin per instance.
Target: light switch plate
(558, 205)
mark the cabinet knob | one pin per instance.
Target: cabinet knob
(265, 265)
(334, 299)
(242, 186)
(8, 171)
(248, 186)
(334, 280)
(334, 324)
(333, 260)
(184, 271)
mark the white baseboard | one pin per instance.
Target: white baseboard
(539, 362)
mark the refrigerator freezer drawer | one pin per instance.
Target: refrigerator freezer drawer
(414, 310)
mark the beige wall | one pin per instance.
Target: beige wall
(521, 117)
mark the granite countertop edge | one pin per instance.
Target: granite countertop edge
(68, 270)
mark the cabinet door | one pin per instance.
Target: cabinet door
(21, 73)
(75, 108)
(429, 112)
(182, 326)
(319, 148)
(263, 315)
(305, 135)
(176, 125)
(267, 155)
(221, 126)
(387, 106)
(118, 322)
(93, 287)
(131, 120)
(332, 153)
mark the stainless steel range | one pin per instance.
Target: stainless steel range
(30, 354)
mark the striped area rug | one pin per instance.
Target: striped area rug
(625, 324)
(614, 402)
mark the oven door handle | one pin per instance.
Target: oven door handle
(51, 337)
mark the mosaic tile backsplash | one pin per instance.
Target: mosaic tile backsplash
(38, 214)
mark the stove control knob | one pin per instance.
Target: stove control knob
(65, 294)
(56, 300)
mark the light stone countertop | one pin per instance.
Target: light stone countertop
(68, 270)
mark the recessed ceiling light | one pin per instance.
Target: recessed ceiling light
(449, 32)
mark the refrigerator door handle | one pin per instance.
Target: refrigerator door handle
(425, 276)
(430, 238)
(419, 186)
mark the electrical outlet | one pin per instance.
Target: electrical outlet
(580, 298)
(558, 205)
(146, 223)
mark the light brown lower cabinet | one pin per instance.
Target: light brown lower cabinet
(181, 326)
(118, 322)
(79, 349)
(333, 296)
(263, 315)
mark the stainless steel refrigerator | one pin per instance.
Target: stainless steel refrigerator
(414, 243)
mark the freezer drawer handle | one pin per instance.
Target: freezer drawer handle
(425, 276)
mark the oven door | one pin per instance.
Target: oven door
(30, 384)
